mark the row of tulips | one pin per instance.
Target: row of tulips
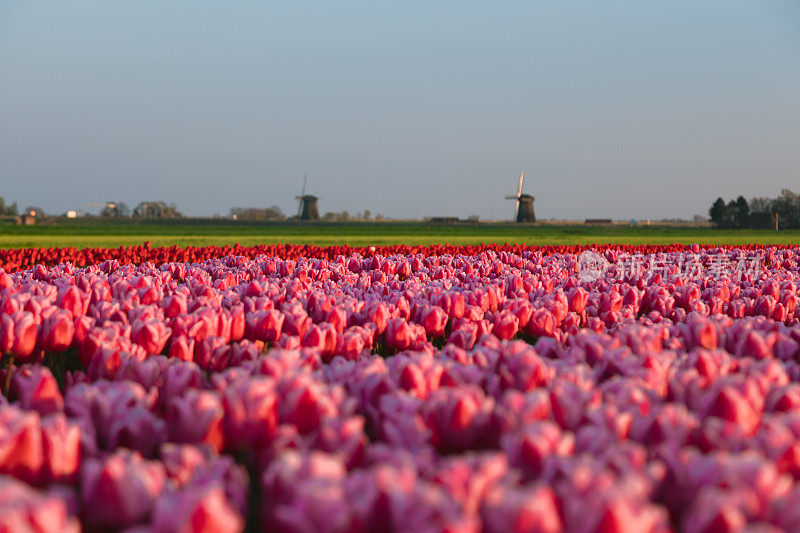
(23, 258)
(492, 391)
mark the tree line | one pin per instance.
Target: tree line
(150, 209)
(8, 210)
(782, 212)
(274, 213)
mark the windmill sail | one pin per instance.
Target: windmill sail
(519, 194)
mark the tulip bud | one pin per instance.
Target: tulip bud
(120, 491)
(25, 333)
(505, 325)
(199, 509)
(195, 417)
(151, 335)
(269, 325)
(399, 334)
(36, 389)
(21, 452)
(57, 331)
(434, 320)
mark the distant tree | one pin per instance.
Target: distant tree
(156, 210)
(115, 210)
(787, 207)
(332, 216)
(729, 219)
(717, 211)
(473, 218)
(258, 213)
(761, 212)
(7, 209)
(741, 214)
(366, 214)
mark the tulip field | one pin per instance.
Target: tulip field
(476, 388)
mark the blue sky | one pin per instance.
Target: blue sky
(614, 109)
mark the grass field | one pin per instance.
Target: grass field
(195, 232)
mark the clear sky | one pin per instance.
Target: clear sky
(613, 108)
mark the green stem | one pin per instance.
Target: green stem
(9, 369)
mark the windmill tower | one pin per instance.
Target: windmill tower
(523, 207)
(307, 204)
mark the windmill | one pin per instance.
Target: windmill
(523, 207)
(307, 204)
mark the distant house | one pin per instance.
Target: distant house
(31, 214)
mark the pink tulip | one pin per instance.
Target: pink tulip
(251, 413)
(25, 509)
(57, 332)
(120, 491)
(531, 449)
(399, 334)
(237, 323)
(304, 404)
(174, 305)
(542, 323)
(181, 347)
(21, 451)
(460, 419)
(268, 326)
(196, 510)
(36, 389)
(137, 429)
(378, 314)
(434, 320)
(196, 417)
(61, 447)
(729, 404)
(506, 324)
(296, 321)
(322, 338)
(73, 300)
(151, 335)
(515, 510)
(23, 335)
(178, 377)
(212, 354)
